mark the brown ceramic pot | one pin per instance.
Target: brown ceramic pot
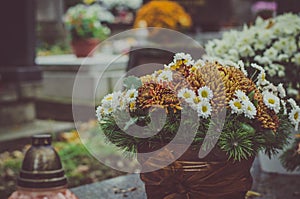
(84, 47)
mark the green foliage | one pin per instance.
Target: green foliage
(132, 82)
(84, 21)
(290, 159)
(45, 49)
(272, 142)
(241, 138)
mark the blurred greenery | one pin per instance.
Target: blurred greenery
(80, 167)
(45, 49)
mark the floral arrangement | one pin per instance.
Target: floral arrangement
(163, 14)
(130, 4)
(273, 44)
(258, 115)
(84, 21)
(264, 6)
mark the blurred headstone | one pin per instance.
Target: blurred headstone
(17, 63)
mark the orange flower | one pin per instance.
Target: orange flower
(163, 14)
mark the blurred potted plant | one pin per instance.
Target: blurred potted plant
(85, 25)
(264, 9)
(168, 116)
(163, 14)
(123, 10)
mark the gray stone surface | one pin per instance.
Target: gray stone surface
(130, 185)
(270, 186)
(95, 76)
(12, 113)
(35, 127)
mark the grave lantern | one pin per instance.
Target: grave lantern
(42, 175)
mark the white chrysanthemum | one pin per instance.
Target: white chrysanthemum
(262, 60)
(199, 63)
(169, 65)
(261, 79)
(107, 100)
(165, 75)
(131, 95)
(293, 103)
(118, 101)
(99, 112)
(182, 56)
(231, 63)
(108, 110)
(281, 90)
(292, 92)
(205, 93)
(291, 48)
(241, 95)
(294, 117)
(204, 109)
(190, 62)
(187, 94)
(236, 106)
(249, 109)
(242, 67)
(271, 53)
(296, 58)
(195, 102)
(283, 57)
(270, 88)
(283, 103)
(271, 101)
(258, 67)
(234, 54)
(246, 50)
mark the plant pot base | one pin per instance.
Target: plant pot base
(190, 179)
(84, 47)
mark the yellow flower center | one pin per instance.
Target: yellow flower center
(263, 77)
(131, 95)
(296, 116)
(204, 109)
(109, 98)
(249, 108)
(175, 66)
(238, 105)
(204, 94)
(186, 95)
(197, 100)
(131, 105)
(271, 101)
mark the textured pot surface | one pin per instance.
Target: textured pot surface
(84, 47)
(192, 178)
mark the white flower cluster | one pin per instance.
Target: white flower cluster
(94, 11)
(200, 102)
(132, 4)
(273, 97)
(269, 43)
(294, 115)
(116, 101)
(242, 104)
